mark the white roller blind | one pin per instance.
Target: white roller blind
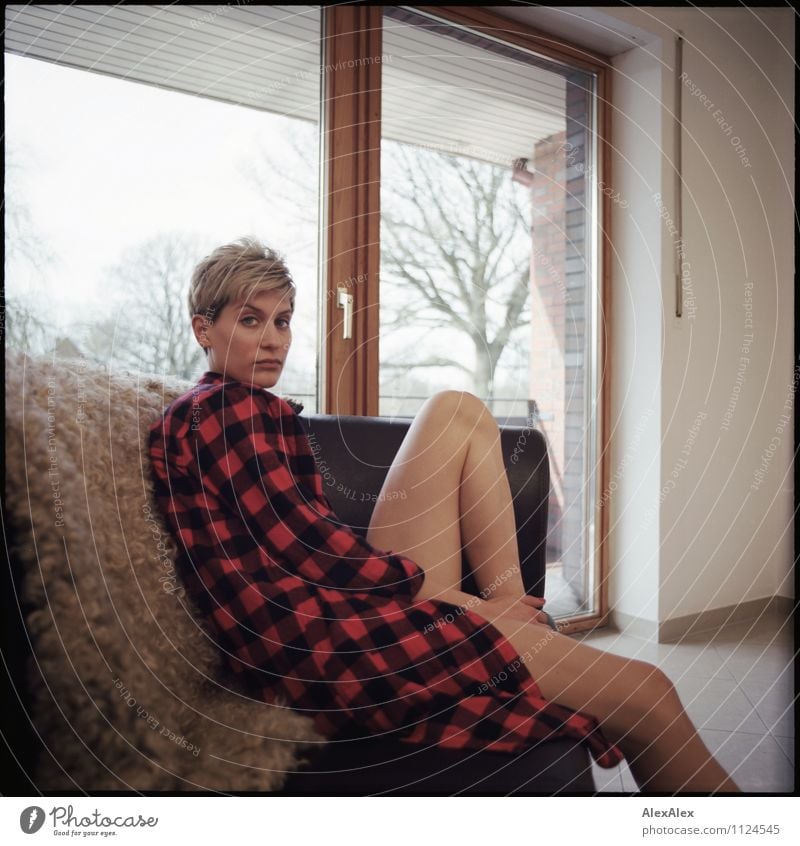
(264, 57)
(459, 91)
(447, 93)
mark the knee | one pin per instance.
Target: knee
(652, 698)
(461, 406)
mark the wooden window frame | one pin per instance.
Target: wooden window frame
(350, 214)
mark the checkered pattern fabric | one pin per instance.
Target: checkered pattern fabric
(307, 609)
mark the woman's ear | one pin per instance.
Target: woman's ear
(200, 326)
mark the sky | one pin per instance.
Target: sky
(106, 163)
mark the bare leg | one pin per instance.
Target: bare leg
(635, 702)
(448, 467)
(457, 497)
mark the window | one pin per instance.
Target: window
(117, 188)
(431, 174)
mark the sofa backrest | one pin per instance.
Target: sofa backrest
(354, 455)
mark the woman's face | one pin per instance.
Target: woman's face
(249, 341)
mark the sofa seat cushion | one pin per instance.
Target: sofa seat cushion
(380, 766)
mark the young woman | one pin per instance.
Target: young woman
(373, 635)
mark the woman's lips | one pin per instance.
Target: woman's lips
(269, 363)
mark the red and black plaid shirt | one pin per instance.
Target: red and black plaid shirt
(310, 611)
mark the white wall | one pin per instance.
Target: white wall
(635, 330)
(710, 541)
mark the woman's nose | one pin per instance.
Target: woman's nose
(270, 339)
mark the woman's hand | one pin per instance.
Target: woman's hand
(515, 606)
(525, 609)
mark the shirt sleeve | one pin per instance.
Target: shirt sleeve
(242, 442)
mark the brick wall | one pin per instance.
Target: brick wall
(559, 278)
(547, 315)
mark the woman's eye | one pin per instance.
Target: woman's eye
(249, 317)
(282, 322)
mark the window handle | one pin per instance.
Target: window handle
(345, 301)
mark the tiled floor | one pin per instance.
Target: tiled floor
(561, 601)
(737, 686)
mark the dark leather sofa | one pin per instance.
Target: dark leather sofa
(360, 450)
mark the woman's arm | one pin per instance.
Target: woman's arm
(242, 442)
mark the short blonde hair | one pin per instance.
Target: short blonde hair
(235, 272)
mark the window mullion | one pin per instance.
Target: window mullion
(351, 132)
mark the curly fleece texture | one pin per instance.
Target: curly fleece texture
(128, 691)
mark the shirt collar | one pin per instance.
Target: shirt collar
(211, 377)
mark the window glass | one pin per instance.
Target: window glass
(487, 281)
(115, 189)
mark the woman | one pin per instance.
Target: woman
(370, 634)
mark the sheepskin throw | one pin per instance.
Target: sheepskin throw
(128, 690)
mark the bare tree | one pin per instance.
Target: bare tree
(27, 320)
(149, 329)
(288, 180)
(25, 325)
(23, 242)
(455, 250)
(457, 246)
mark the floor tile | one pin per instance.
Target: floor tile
(719, 704)
(675, 659)
(756, 763)
(606, 780)
(774, 702)
(628, 781)
(757, 663)
(559, 595)
(787, 746)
